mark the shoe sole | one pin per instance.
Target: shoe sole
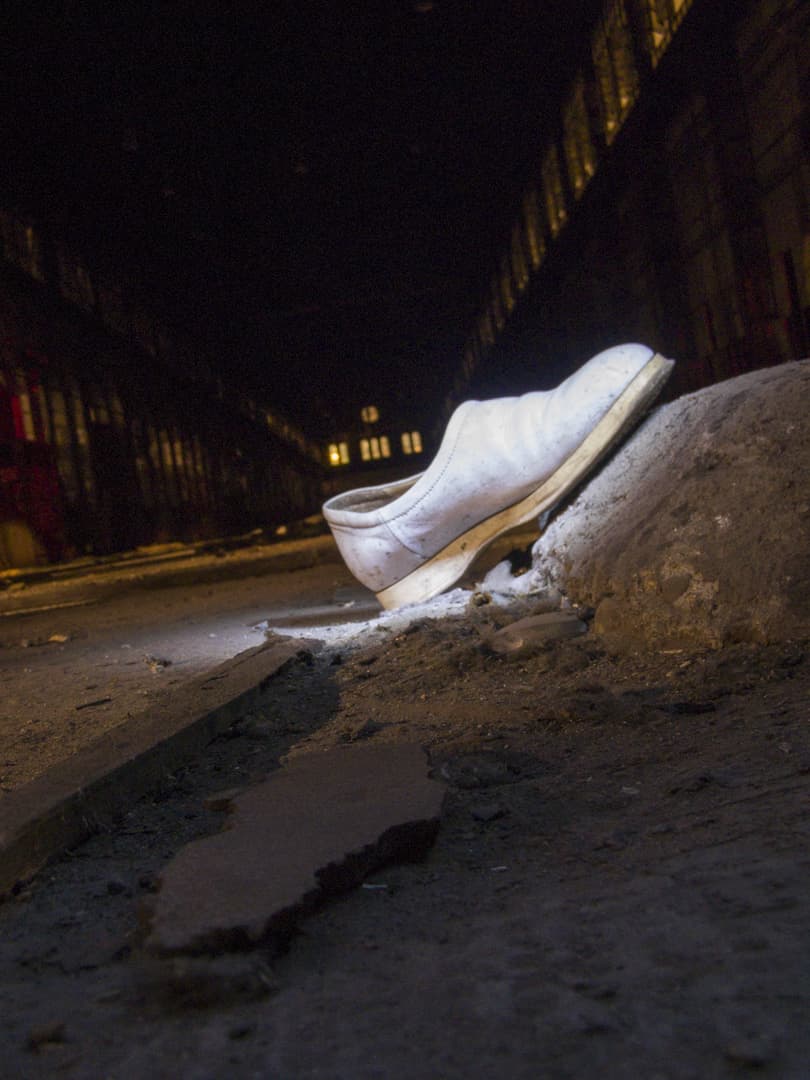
(448, 565)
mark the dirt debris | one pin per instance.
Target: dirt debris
(697, 532)
(620, 881)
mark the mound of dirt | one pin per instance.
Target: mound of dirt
(697, 532)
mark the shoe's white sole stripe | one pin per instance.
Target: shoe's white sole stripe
(448, 565)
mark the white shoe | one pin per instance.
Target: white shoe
(500, 464)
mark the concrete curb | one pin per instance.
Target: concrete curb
(75, 798)
(177, 566)
(164, 573)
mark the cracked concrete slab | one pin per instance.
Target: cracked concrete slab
(74, 798)
(318, 826)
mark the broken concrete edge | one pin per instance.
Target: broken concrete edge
(90, 790)
(315, 827)
(407, 842)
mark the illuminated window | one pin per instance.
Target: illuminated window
(662, 18)
(116, 409)
(74, 282)
(33, 256)
(79, 425)
(411, 442)
(21, 245)
(23, 415)
(580, 156)
(44, 415)
(486, 330)
(96, 407)
(507, 292)
(535, 235)
(520, 267)
(553, 190)
(61, 433)
(370, 414)
(338, 453)
(375, 448)
(470, 362)
(496, 306)
(616, 74)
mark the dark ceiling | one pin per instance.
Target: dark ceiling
(322, 187)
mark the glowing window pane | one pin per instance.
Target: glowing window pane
(28, 430)
(385, 446)
(79, 425)
(416, 441)
(486, 329)
(365, 451)
(496, 306)
(370, 414)
(375, 448)
(553, 190)
(43, 413)
(334, 454)
(507, 294)
(580, 155)
(165, 447)
(30, 255)
(616, 75)
(405, 438)
(662, 18)
(344, 453)
(24, 424)
(520, 267)
(534, 230)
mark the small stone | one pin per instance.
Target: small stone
(792, 656)
(487, 811)
(157, 663)
(241, 1031)
(365, 731)
(259, 730)
(221, 801)
(536, 631)
(43, 1034)
(751, 1052)
(688, 708)
(201, 982)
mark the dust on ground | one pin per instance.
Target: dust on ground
(620, 884)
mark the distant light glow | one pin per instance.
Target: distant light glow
(411, 442)
(338, 453)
